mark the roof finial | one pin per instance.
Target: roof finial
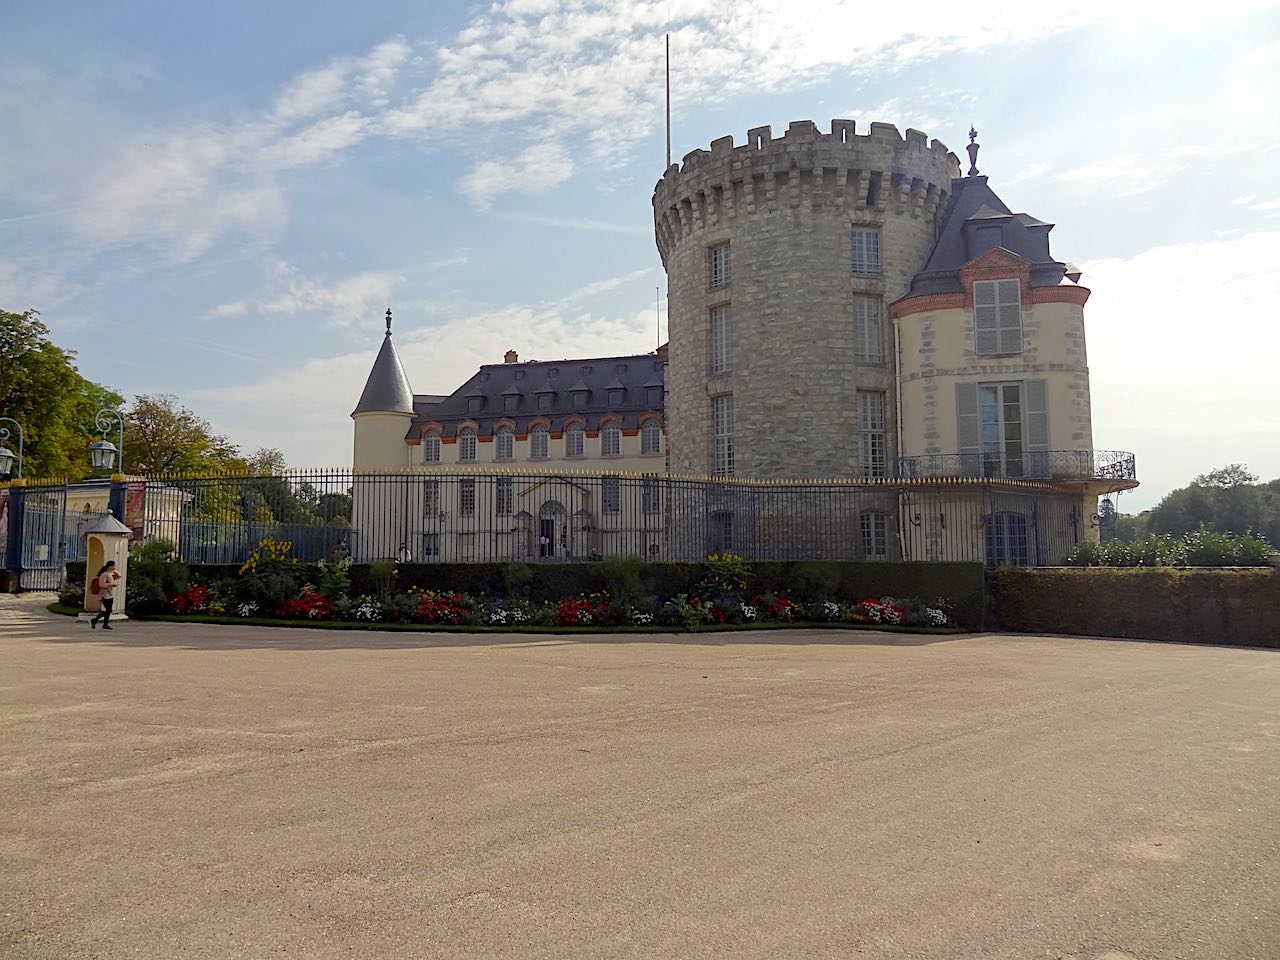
(388, 321)
(973, 151)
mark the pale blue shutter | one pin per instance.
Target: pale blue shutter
(1037, 414)
(967, 434)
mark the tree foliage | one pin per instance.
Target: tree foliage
(1228, 500)
(163, 436)
(41, 389)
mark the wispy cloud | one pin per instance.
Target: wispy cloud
(316, 398)
(345, 302)
(534, 170)
(573, 223)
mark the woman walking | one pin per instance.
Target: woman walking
(108, 577)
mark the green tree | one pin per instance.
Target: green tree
(1228, 500)
(41, 388)
(163, 436)
(1232, 475)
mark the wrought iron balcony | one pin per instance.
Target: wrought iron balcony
(1032, 465)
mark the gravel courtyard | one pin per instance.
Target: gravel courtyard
(236, 792)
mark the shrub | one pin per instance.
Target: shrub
(516, 577)
(436, 607)
(310, 604)
(72, 594)
(725, 575)
(192, 600)
(333, 577)
(1190, 606)
(1202, 548)
(155, 574)
(623, 577)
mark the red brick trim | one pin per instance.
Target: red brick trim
(964, 301)
(1061, 294)
(608, 418)
(539, 422)
(575, 420)
(647, 416)
(928, 302)
(504, 422)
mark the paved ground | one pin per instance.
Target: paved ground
(223, 792)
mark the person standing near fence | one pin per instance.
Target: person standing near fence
(107, 579)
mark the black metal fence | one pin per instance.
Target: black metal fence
(1028, 465)
(455, 516)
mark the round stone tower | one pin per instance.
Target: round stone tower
(780, 257)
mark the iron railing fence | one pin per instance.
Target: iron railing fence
(1029, 465)
(41, 532)
(480, 516)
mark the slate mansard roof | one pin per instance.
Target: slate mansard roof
(976, 221)
(512, 391)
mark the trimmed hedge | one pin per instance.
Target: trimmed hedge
(1231, 606)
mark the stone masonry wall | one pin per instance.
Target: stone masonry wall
(786, 208)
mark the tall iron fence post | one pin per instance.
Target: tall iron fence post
(13, 546)
(115, 499)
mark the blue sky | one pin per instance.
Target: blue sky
(218, 199)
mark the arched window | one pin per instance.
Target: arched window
(875, 536)
(538, 443)
(1007, 540)
(611, 441)
(431, 448)
(651, 437)
(574, 441)
(467, 444)
(506, 444)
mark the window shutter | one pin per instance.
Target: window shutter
(1037, 414)
(967, 427)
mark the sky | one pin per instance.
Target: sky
(218, 200)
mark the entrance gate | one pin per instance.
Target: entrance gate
(46, 535)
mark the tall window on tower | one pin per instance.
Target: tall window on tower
(718, 266)
(868, 330)
(721, 340)
(871, 451)
(997, 317)
(866, 251)
(722, 434)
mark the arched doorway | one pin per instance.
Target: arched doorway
(552, 530)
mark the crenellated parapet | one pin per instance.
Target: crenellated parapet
(871, 175)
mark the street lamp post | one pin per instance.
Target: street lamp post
(7, 455)
(102, 453)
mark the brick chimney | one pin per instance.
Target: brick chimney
(662, 351)
(510, 357)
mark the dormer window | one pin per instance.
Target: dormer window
(511, 402)
(984, 239)
(474, 404)
(580, 399)
(545, 400)
(616, 397)
(653, 396)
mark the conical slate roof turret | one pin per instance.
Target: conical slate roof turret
(387, 389)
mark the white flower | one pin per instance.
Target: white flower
(247, 609)
(748, 612)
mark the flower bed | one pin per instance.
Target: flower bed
(722, 593)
